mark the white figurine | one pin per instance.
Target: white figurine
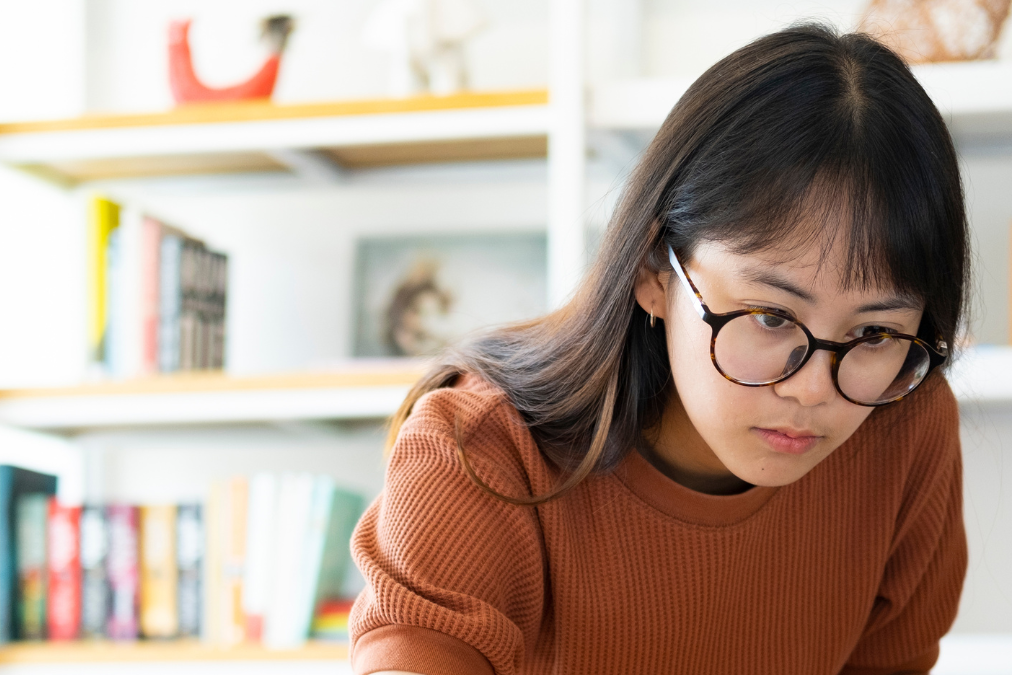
(425, 42)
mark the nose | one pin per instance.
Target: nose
(813, 384)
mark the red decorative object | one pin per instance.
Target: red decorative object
(187, 87)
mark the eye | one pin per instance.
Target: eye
(873, 330)
(770, 321)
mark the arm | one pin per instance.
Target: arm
(454, 576)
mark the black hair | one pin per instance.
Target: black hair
(803, 135)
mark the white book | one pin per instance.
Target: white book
(316, 539)
(260, 532)
(125, 334)
(295, 500)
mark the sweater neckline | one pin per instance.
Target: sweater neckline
(675, 500)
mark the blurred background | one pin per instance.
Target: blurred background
(233, 231)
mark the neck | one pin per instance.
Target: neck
(677, 450)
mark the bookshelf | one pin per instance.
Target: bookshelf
(359, 392)
(261, 136)
(160, 651)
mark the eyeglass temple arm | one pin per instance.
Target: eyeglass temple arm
(697, 299)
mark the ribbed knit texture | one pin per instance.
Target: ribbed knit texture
(855, 568)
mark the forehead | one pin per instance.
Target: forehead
(819, 271)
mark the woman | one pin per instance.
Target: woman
(732, 451)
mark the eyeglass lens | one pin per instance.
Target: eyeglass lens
(762, 348)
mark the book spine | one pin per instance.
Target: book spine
(346, 509)
(221, 305)
(233, 626)
(214, 531)
(123, 572)
(103, 219)
(263, 494)
(170, 300)
(94, 580)
(151, 235)
(112, 350)
(63, 608)
(295, 495)
(32, 513)
(187, 309)
(159, 616)
(312, 557)
(189, 557)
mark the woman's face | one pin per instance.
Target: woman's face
(769, 435)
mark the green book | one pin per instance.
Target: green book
(31, 510)
(345, 509)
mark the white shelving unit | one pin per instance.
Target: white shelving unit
(975, 98)
(325, 143)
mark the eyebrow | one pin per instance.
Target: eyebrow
(899, 301)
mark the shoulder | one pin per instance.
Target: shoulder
(477, 417)
(912, 447)
(928, 417)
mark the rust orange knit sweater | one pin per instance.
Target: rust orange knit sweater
(855, 568)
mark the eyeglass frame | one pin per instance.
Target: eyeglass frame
(838, 350)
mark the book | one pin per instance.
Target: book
(170, 300)
(345, 510)
(150, 297)
(63, 606)
(214, 543)
(133, 280)
(159, 617)
(312, 557)
(233, 559)
(330, 622)
(260, 527)
(282, 628)
(94, 579)
(121, 566)
(14, 482)
(189, 560)
(32, 513)
(103, 219)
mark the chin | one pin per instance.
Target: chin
(775, 473)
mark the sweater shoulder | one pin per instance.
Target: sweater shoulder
(478, 417)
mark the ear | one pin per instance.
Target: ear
(650, 293)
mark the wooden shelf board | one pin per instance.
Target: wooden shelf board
(256, 111)
(151, 651)
(393, 374)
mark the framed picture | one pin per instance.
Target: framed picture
(416, 295)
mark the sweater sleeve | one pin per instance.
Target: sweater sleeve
(919, 593)
(454, 576)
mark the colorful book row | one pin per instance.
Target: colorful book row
(157, 297)
(263, 561)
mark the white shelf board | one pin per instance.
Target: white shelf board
(983, 374)
(274, 134)
(975, 98)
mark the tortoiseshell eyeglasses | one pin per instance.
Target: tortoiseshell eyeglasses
(759, 347)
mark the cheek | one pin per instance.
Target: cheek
(712, 402)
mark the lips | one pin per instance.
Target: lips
(788, 441)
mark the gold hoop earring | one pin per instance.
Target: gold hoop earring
(653, 319)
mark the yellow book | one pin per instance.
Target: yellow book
(103, 218)
(233, 561)
(159, 572)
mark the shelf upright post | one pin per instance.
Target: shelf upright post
(567, 141)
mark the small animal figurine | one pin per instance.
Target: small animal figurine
(926, 31)
(187, 87)
(425, 43)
